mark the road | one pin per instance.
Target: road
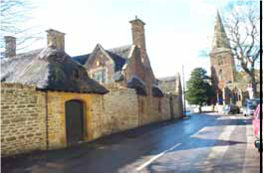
(200, 143)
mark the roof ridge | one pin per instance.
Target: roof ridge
(123, 46)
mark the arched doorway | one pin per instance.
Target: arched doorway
(74, 122)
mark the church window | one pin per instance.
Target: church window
(220, 74)
(220, 60)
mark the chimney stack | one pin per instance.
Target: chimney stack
(10, 46)
(138, 34)
(55, 39)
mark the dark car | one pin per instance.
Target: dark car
(231, 109)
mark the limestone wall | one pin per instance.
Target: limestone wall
(121, 109)
(177, 106)
(32, 119)
(114, 112)
(22, 119)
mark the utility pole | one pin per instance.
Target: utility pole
(183, 88)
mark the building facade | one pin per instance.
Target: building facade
(230, 85)
(49, 101)
(127, 66)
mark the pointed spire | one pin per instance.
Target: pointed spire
(220, 39)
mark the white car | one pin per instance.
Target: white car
(249, 109)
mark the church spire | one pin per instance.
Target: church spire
(220, 39)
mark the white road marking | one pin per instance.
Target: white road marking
(156, 157)
(217, 152)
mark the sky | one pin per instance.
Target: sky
(176, 31)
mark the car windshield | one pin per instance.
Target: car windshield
(253, 101)
(252, 106)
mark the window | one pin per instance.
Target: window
(100, 75)
(220, 74)
(220, 60)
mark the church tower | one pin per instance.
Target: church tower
(222, 60)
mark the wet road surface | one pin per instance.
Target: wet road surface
(200, 143)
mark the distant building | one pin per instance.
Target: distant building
(171, 85)
(230, 85)
(127, 66)
(50, 100)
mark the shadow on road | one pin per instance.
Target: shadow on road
(111, 153)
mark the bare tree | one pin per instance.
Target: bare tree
(242, 21)
(14, 14)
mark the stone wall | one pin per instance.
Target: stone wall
(22, 119)
(26, 126)
(114, 112)
(122, 109)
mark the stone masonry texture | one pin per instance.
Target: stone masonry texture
(22, 119)
(36, 120)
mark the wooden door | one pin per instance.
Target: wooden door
(74, 122)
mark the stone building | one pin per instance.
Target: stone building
(229, 84)
(128, 66)
(171, 85)
(48, 100)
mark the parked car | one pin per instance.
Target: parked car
(249, 109)
(231, 109)
(256, 126)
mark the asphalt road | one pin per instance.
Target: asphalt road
(200, 143)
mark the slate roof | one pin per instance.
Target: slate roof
(119, 61)
(170, 78)
(81, 59)
(49, 69)
(157, 92)
(119, 56)
(122, 51)
(136, 83)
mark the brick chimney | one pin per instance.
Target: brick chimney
(10, 46)
(55, 39)
(138, 34)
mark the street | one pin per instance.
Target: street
(200, 143)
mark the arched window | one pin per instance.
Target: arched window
(220, 59)
(220, 74)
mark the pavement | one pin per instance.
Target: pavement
(200, 143)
